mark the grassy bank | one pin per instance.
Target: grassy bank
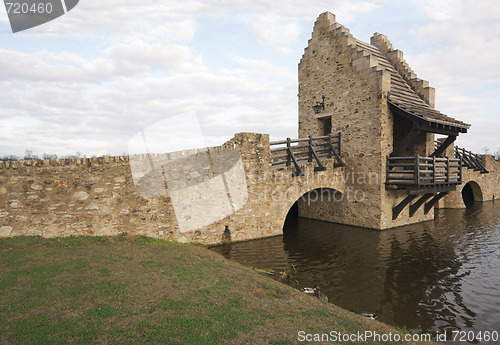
(135, 290)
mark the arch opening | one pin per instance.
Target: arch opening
(319, 203)
(471, 193)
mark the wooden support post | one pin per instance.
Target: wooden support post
(387, 168)
(417, 170)
(313, 154)
(339, 162)
(460, 171)
(448, 169)
(329, 145)
(434, 170)
(288, 150)
(298, 171)
(310, 150)
(339, 144)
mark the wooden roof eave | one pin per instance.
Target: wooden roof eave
(425, 124)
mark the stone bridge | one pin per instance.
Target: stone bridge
(232, 192)
(479, 182)
(360, 97)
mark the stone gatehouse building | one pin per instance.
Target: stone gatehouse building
(369, 94)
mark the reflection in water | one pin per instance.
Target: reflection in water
(430, 277)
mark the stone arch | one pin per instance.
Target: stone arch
(311, 201)
(471, 192)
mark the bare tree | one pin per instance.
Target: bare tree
(49, 156)
(496, 155)
(10, 158)
(485, 150)
(28, 154)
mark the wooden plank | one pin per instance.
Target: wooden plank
(402, 171)
(278, 149)
(431, 189)
(401, 158)
(401, 178)
(279, 156)
(400, 165)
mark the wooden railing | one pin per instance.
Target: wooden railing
(404, 172)
(298, 151)
(470, 160)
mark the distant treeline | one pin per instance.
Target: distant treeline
(28, 155)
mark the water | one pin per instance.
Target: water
(430, 277)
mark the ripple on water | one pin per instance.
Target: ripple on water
(430, 277)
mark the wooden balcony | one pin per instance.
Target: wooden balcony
(421, 175)
(425, 179)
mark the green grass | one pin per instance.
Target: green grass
(137, 290)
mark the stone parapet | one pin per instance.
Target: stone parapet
(63, 162)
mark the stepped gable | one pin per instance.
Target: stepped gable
(385, 69)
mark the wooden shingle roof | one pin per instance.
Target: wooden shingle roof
(405, 99)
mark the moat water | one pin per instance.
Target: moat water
(431, 277)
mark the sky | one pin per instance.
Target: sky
(192, 72)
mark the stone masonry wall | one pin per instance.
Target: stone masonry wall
(207, 195)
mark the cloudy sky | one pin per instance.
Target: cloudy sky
(109, 72)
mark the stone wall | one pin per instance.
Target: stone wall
(207, 195)
(83, 196)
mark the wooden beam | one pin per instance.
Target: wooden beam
(331, 150)
(429, 205)
(431, 189)
(416, 205)
(396, 210)
(312, 154)
(444, 145)
(298, 171)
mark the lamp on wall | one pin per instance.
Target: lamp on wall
(319, 105)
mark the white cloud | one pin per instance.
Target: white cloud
(108, 69)
(462, 42)
(144, 56)
(52, 67)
